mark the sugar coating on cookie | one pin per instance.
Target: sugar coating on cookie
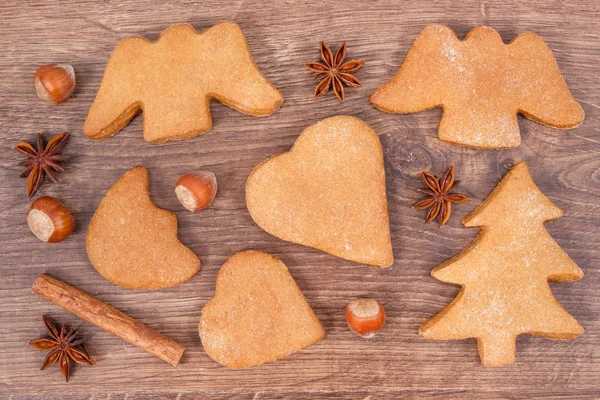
(258, 313)
(327, 192)
(481, 84)
(504, 274)
(133, 243)
(173, 80)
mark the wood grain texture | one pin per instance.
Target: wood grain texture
(397, 363)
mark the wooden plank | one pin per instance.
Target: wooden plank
(340, 395)
(283, 35)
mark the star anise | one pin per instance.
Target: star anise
(439, 198)
(334, 71)
(43, 162)
(64, 346)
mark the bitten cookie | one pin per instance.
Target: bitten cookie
(173, 80)
(133, 243)
(258, 313)
(328, 192)
(481, 84)
(504, 274)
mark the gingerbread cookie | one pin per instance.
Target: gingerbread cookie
(173, 80)
(481, 84)
(258, 313)
(328, 192)
(133, 243)
(504, 274)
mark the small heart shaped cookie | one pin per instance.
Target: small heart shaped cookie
(133, 243)
(328, 192)
(258, 313)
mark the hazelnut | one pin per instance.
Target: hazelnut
(49, 220)
(365, 317)
(54, 83)
(196, 191)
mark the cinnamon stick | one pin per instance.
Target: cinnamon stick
(108, 318)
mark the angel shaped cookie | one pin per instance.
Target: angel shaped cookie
(173, 80)
(481, 84)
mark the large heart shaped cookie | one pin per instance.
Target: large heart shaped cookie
(258, 313)
(133, 243)
(328, 192)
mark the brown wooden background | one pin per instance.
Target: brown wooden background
(282, 35)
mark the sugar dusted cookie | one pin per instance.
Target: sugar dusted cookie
(481, 83)
(328, 192)
(173, 80)
(258, 313)
(504, 274)
(133, 243)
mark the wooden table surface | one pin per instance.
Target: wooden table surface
(283, 35)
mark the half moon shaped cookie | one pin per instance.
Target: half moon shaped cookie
(133, 243)
(328, 192)
(258, 313)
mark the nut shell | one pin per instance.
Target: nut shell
(196, 191)
(365, 317)
(54, 83)
(49, 220)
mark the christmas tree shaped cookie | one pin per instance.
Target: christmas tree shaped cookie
(481, 83)
(258, 313)
(133, 243)
(504, 274)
